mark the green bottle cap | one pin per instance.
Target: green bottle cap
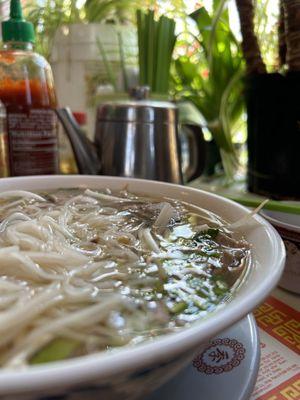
(16, 29)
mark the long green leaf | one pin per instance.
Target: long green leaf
(156, 40)
(204, 23)
(123, 62)
(224, 117)
(141, 42)
(272, 205)
(160, 54)
(107, 65)
(215, 21)
(151, 27)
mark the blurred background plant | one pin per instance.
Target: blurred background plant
(49, 15)
(266, 30)
(207, 67)
(209, 75)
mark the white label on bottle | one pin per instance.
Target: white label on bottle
(33, 143)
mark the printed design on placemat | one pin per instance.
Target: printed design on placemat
(221, 356)
(288, 390)
(280, 321)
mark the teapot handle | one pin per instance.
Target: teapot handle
(193, 151)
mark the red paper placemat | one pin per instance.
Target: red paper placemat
(278, 319)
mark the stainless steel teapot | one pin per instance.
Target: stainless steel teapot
(138, 138)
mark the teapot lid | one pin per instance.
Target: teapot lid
(138, 109)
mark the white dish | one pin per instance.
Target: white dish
(235, 384)
(288, 226)
(130, 373)
(284, 220)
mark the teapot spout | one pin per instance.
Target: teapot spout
(84, 150)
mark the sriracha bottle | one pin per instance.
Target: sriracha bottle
(27, 91)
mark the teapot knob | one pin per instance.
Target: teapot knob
(139, 92)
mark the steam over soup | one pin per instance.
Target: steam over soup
(83, 270)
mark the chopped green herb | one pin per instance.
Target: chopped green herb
(178, 307)
(210, 233)
(221, 288)
(58, 349)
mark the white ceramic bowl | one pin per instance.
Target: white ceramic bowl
(130, 373)
(288, 226)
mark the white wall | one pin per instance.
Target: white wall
(76, 58)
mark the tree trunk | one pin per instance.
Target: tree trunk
(255, 64)
(292, 29)
(281, 35)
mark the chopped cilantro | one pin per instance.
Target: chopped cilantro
(210, 233)
(178, 307)
(58, 349)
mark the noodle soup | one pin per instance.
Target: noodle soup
(83, 271)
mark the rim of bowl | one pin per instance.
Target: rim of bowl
(107, 364)
(278, 222)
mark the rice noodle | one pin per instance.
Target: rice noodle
(22, 314)
(12, 204)
(21, 193)
(13, 217)
(149, 241)
(167, 212)
(107, 197)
